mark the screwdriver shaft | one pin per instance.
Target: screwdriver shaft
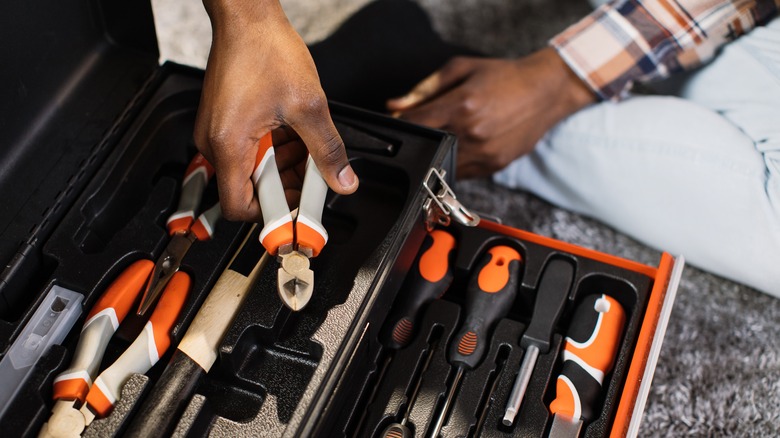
(521, 384)
(447, 403)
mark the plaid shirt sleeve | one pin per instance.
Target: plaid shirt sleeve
(629, 41)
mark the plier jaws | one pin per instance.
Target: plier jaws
(294, 237)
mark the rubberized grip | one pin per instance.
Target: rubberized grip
(103, 320)
(277, 221)
(196, 177)
(490, 294)
(310, 233)
(590, 349)
(429, 277)
(551, 297)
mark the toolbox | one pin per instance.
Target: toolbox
(96, 138)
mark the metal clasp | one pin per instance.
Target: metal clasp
(443, 206)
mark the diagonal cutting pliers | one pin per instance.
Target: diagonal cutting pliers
(294, 237)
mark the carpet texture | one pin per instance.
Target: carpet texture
(719, 370)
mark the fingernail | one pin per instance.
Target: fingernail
(396, 114)
(347, 177)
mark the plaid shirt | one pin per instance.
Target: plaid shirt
(642, 40)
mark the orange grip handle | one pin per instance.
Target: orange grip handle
(590, 350)
(196, 177)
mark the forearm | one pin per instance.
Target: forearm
(629, 41)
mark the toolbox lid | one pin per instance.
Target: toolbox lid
(70, 67)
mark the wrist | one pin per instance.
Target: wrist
(574, 94)
(239, 13)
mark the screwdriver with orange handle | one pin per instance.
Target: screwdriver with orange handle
(428, 279)
(489, 296)
(74, 386)
(592, 343)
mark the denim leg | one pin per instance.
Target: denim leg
(696, 176)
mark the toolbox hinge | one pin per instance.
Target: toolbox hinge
(443, 206)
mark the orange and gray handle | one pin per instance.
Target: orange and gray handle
(278, 226)
(592, 343)
(196, 178)
(429, 277)
(145, 351)
(102, 321)
(490, 294)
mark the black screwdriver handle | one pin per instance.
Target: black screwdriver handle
(429, 277)
(551, 296)
(490, 294)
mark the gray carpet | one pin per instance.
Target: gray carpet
(719, 370)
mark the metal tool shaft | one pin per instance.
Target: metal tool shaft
(447, 403)
(521, 384)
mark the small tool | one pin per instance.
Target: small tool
(489, 296)
(400, 429)
(428, 279)
(183, 228)
(48, 326)
(592, 343)
(551, 298)
(294, 237)
(78, 400)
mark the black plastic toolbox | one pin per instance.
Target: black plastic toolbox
(96, 137)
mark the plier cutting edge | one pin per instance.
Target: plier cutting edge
(79, 396)
(294, 237)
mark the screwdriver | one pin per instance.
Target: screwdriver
(429, 277)
(588, 355)
(489, 296)
(551, 298)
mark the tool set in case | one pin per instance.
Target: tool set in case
(423, 320)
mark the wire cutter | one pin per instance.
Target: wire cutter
(294, 237)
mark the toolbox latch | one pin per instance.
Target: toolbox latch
(443, 206)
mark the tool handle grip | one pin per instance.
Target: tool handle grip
(591, 346)
(490, 294)
(146, 349)
(309, 230)
(196, 178)
(429, 277)
(551, 297)
(102, 321)
(397, 430)
(277, 220)
(203, 227)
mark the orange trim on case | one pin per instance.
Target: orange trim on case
(435, 261)
(467, 344)
(167, 311)
(310, 238)
(644, 342)
(564, 402)
(601, 353)
(265, 143)
(570, 248)
(99, 403)
(71, 389)
(495, 274)
(122, 292)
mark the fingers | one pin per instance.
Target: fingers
(454, 72)
(236, 190)
(316, 129)
(437, 113)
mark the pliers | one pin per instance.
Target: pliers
(79, 396)
(294, 237)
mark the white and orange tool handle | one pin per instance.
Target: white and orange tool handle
(277, 221)
(592, 343)
(145, 351)
(196, 178)
(101, 323)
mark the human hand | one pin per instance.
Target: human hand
(499, 109)
(260, 77)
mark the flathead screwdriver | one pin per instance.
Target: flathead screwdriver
(551, 296)
(489, 296)
(592, 343)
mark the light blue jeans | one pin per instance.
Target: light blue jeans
(696, 173)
